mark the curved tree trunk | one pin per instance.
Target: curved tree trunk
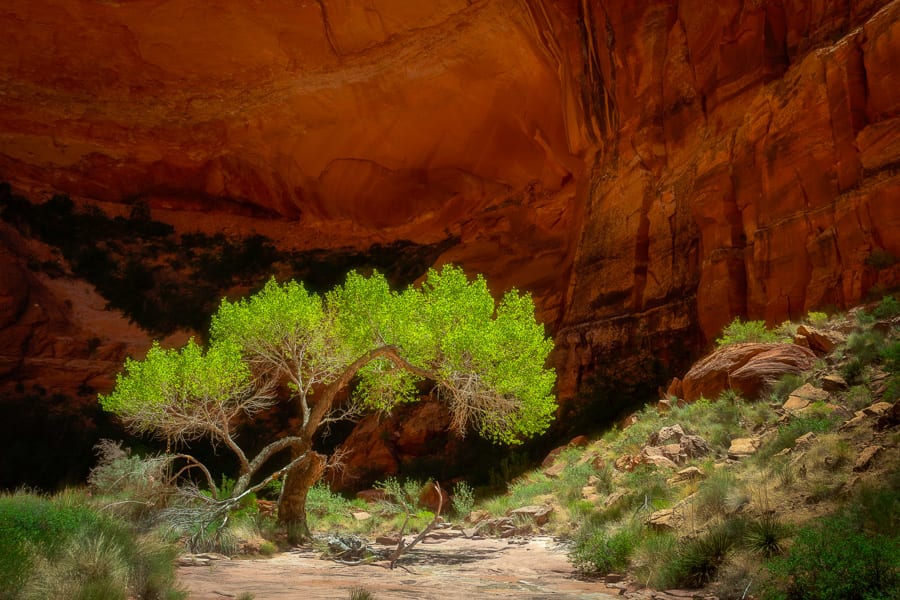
(292, 504)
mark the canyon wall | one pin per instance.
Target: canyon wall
(647, 169)
(749, 166)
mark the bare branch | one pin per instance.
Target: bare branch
(194, 463)
(401, 546)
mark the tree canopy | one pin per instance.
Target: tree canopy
(485, 359)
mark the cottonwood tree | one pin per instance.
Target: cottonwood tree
(485, 359)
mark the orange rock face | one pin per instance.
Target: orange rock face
(649, 170)
(748, 167)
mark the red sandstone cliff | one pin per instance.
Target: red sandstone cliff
(648, 169)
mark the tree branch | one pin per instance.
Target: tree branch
(194, 463)
(323, 406)
(401, 547)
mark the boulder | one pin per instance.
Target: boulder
(890, 417)
(762, 370)
(834, 383)
(539, 514)
(803, 396)
(627, 462)
(747, 368)
(675, 389)
(877, 409)
(666, 519)
(666, 434)
(686, 475)
(865, 458)
(742, 447)
(654, 455)
(805, 440)
(673, 444)
(816, 340)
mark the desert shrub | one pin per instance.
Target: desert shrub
(782, 471)
(602, 549)
(132, 486)
(892, 389)
(739, 331)
(647, 488)
(572, 480)
(836, 560)
(758, 414)
(62, 548)
(796, 427)
(714, 492)
(852, 371)
(326, 510)
(654, 551)
(766, 535)
(698, 560)
(890, 357)
(524, 490)
(604, 478)
(888, 308)
(865, 346)
(816, 319)
(359, 593)
(463, 499)
(857, 397)
(785, 385)
(267, 548)
(877, 509)
(716, 421)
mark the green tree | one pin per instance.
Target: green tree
(485, 359)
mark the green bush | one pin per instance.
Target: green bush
(746, 331)
(62, 548)
(698, 560)
(463, 499)
(766, 535)
(652, 556)
(888, 308)
(890, 357)
(865, 346)
(836, 560)
(714, 492)
(789, 432)
(816, 319)
(852, 371)
(892, 389)
(599, 550)
(785, 385)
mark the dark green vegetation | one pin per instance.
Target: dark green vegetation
(164, 281)
(68, 547)
(839, 558)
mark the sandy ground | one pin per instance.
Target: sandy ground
(437, 568)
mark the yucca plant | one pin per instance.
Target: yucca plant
(766, 535)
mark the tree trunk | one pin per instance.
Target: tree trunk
(292, 504)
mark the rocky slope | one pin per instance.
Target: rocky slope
(648, 170)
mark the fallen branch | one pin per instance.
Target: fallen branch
(403, 547)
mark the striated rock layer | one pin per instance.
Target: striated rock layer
(648, 169)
